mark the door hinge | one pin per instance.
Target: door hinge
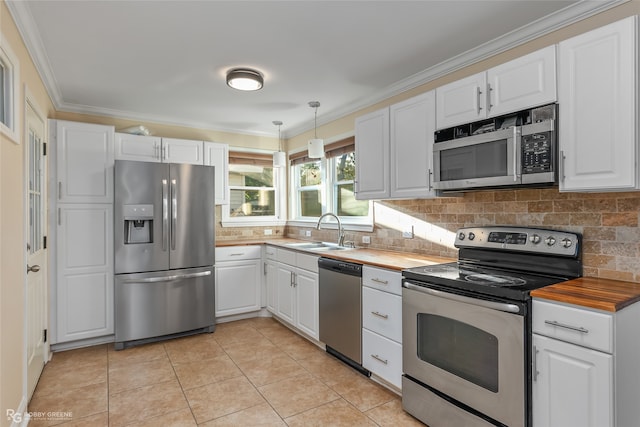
(44, 335)
(44, 242)
(44, 148)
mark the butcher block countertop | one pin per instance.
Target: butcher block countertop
(374, 257)
(592, 292)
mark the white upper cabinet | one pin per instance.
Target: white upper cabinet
(182, 151)
(597, 94)
(522, 83)
(84, 162)
(412, 128)
(394, 150)
(217, 155)
(462, 101)
(138, 147)
(155, 149)
(372, 155)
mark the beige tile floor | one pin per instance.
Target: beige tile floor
(252, 372)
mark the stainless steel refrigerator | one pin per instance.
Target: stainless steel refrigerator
(164, 251)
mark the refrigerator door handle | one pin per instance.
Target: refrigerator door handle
(168, 278)
(165, 214)
(174, 212)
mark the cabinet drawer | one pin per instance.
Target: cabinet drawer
(382, 356)
(270, 252)
(237, 253)
(382, 313)
(573, 324)
(384, 280)
(307, 262)
(286, 256)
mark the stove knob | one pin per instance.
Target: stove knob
(550, 241)
(535, 239)
(566, 242)
(461, 236)
(472, 236)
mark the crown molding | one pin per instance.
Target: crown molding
(562, 18)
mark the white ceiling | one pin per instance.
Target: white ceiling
(165, 61)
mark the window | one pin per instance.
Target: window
(253, 190)
(8, 94)
(327, 185)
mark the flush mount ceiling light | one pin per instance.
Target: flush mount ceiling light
(315, 148)
(245, 79)
(279, 157)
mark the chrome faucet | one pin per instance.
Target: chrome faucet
(340, 229)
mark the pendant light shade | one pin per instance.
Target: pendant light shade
(245, 79)
(279, 157)
(315, 147)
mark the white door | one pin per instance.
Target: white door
(237, 287)
(413, 123)
(307, 302)
(372, 155)
(271, 273)
(140, 148)
(572, 385)
(217, 155)
(182, 151)
(525, 82)
(462, 101)
(597, 92)
(36, 286)
(285, 293)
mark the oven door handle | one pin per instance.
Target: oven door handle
(509, 308)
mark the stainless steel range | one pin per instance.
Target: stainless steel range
(467, 325)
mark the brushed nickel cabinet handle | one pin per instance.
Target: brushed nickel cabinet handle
(383, 282)
(383, 316)
(379, 359)
(565, 326)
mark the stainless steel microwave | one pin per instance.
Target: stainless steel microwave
(513, 155)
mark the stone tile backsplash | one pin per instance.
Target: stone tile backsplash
(607, 221)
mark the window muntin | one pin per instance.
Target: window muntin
(308, 188)
(344, 199)
(9, 114)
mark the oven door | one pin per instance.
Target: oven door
(469, 349)
(485, 160)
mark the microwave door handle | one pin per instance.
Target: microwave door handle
(165, 214)
(174, 213)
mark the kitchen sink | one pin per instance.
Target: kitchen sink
(318, 246)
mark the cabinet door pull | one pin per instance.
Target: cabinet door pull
(59, 216)
(561, 166)
(383, 316)
(429, 173)
(59, 190)
(478, 93)
(562, 325)
(380, 359)
(489, 104)
(535, 364)
(237, 254)
(383, 282)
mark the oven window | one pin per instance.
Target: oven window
(474, 161)
(459, 348)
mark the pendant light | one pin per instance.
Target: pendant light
(315, 147)
(279, 157)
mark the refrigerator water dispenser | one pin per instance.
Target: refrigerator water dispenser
(138, 224)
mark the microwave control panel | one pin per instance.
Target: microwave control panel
(537, 153)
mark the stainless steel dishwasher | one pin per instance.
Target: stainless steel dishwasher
(341, 310)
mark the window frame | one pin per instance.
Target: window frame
(10, 119)
(257, 221)
(329, 195)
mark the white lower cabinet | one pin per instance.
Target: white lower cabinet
(585, 366)
(292, 288)
(382, 323)
(238, 280)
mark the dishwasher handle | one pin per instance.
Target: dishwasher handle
(341, 267)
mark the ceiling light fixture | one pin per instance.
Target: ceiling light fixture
(279, 157)
(315, 148)
(245, 79)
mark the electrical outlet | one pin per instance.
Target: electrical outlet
(268, 232)
(407, 233)
(307, 233)
(366, 239)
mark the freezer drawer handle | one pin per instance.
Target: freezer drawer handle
(562, 325)
(168, 278)
(509, 308)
